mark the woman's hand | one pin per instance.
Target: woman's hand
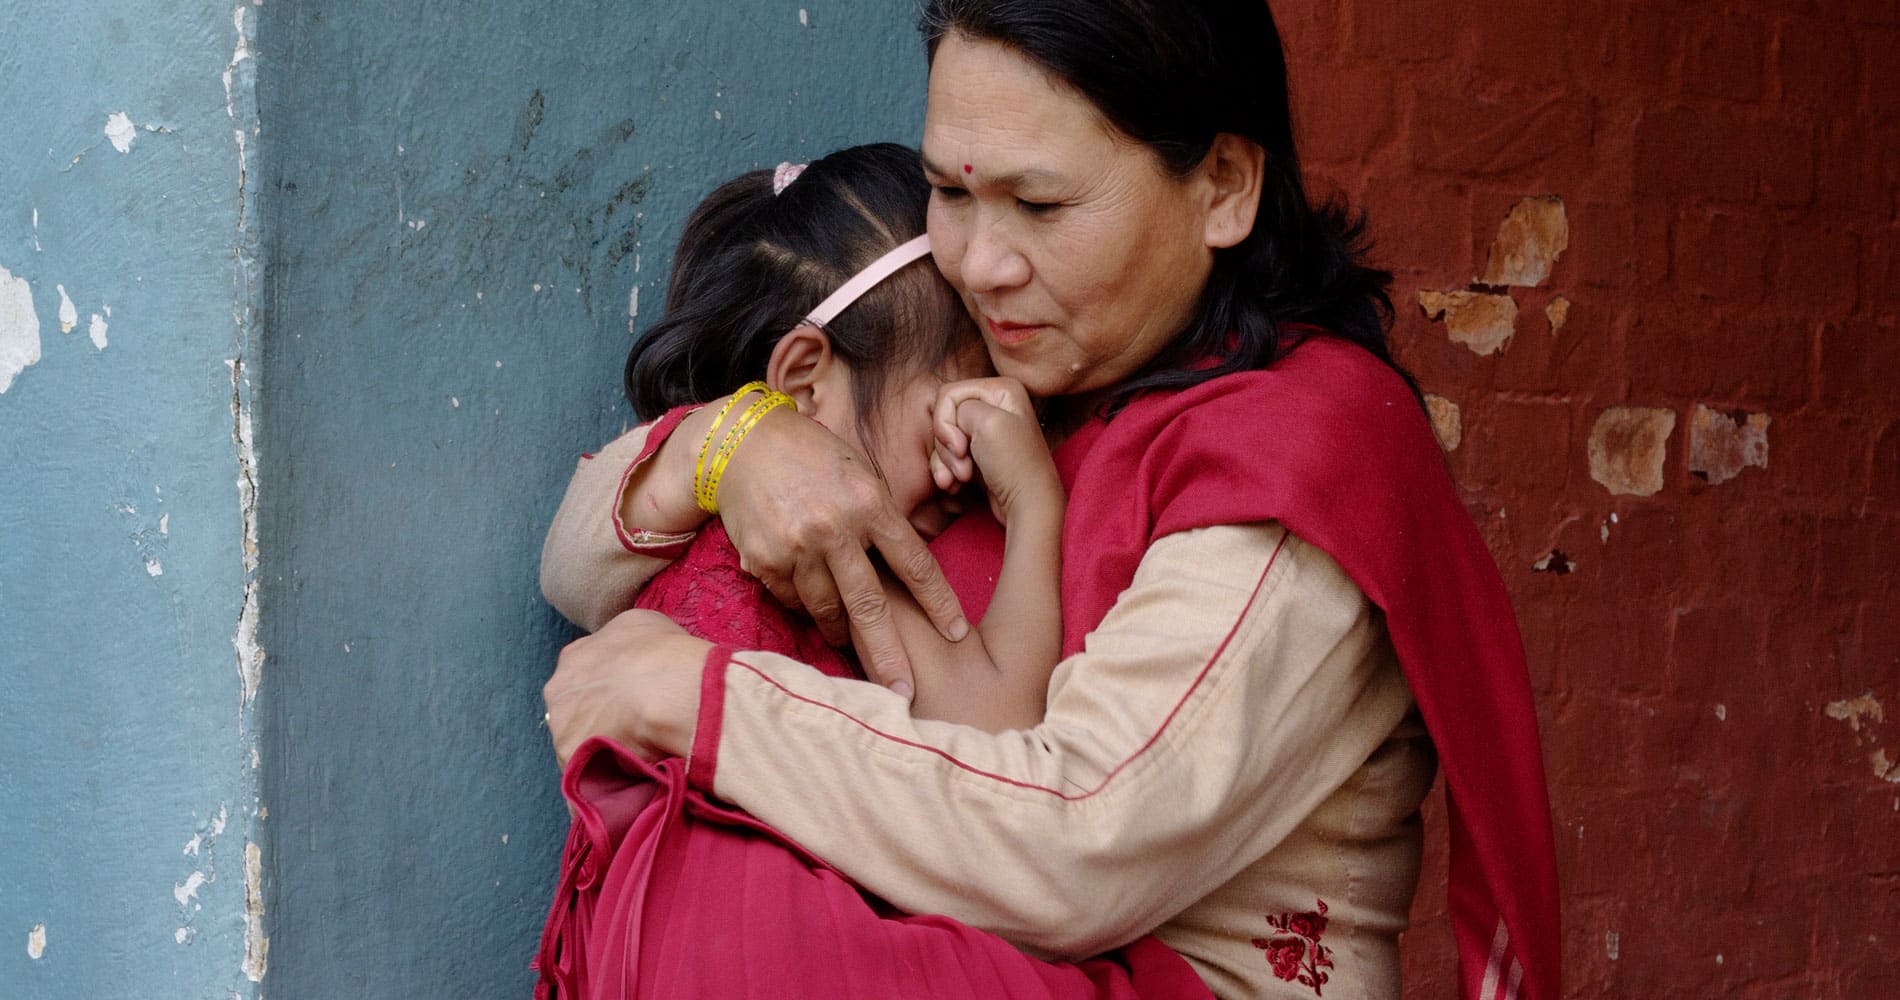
(636, 681)
(803, 508)
(989, 425)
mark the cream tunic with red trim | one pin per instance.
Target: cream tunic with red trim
(1233, 762)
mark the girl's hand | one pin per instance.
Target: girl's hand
(989, 424)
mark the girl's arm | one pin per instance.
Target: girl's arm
(998, 678)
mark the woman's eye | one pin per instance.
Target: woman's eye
(1037, 207)
(949, 193)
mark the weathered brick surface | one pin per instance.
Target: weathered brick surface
(1731, 180)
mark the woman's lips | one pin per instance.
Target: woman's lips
(1012, 334)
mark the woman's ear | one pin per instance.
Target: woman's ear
(803, 367)
(1233, 172)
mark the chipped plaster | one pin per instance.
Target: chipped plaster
(19, 328)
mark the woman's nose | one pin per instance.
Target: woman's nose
(991, 260)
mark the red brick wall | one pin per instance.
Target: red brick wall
(1715, 669)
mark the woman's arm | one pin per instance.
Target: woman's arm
(801, 508)
(596, 558)
(1236, 683)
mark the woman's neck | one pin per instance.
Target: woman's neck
(1062, 416)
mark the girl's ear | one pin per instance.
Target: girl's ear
(803, 367)
(1232, 172)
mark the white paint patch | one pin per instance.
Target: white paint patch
(1884, 769)
(68, 316)
(36, 942)
(1613, 944)
(187, 890)
(537, 286)
(242, 53)
(97, 331)
(804, 19)
(504, 838)
(165, 525)
(1854, 710)
(716, 115)
(256, 945)
(454, 404)
(19, 328)
(121, 131)
(36, 231)
(154, 568)
(182, 935)
(1721, 713)
(194, 845)
(633, 303)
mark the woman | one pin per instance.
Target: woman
(1264, 562)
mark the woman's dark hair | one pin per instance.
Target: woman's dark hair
(1172, 75)
(751, 264)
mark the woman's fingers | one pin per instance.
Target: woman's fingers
(910, 561)
(873, 632)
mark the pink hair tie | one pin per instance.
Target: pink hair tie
(784, 176)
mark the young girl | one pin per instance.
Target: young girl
(810, 288)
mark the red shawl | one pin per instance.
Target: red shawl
(1332, 444)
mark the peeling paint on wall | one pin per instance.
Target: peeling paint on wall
(1558, 312)
(1627, 448)
(68, 315)
(1531, 238)
(97, 331)
(19, 328)
(1721, 446)
(120, 131)
(36, 942)
(1447, 421)
(1854, 711)
(1479, 320)
(256, 945)
(187, 890)
(1862, 714)
(250, 655)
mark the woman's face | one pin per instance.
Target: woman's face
(1079, 257)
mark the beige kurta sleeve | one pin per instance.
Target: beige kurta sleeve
(592, 565)
(1228, 692)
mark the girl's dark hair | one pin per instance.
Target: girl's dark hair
(1172, 75)
(751, 264)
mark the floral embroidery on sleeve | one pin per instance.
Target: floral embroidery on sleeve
(1293, 949)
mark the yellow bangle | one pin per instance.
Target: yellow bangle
(740, 428)
(699, 467)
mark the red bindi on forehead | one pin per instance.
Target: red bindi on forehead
(968, 169)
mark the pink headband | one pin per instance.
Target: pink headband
(867, 279)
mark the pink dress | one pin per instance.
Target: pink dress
(668, 892)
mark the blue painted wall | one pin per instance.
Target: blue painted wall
(422, 261)
(128, 772)
(467, 196)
